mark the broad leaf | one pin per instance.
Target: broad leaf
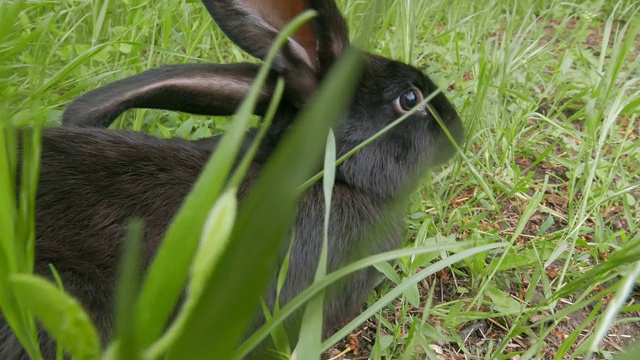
(60, 314)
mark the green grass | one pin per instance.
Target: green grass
(549, 93)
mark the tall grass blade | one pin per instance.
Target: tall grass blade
(25, 229)
(128, 288)
(626, 287)
(8, 262)
(16, 239)
(309, 344)
(170, 268)
(213, 242)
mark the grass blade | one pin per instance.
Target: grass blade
(626, 287)
(17, 240)
(169, 270)
(310, 340)
(128, 288)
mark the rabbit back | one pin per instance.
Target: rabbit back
(92, 183)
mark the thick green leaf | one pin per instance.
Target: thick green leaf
(213, 242)
(230, 300)
(169, 271)
(7, 160)
(25, 227)
(128, 287)
(17, 237)
(61, 315)
(266, 123)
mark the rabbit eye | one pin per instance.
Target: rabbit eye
(408, 100)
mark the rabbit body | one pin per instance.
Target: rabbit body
(93, 181)
(84, 205)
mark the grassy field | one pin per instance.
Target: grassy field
(549, 92)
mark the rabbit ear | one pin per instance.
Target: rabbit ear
(333, 34)
(218, 89)
(254, 24)
(204, 89)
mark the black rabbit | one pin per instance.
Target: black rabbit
(93, 180)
